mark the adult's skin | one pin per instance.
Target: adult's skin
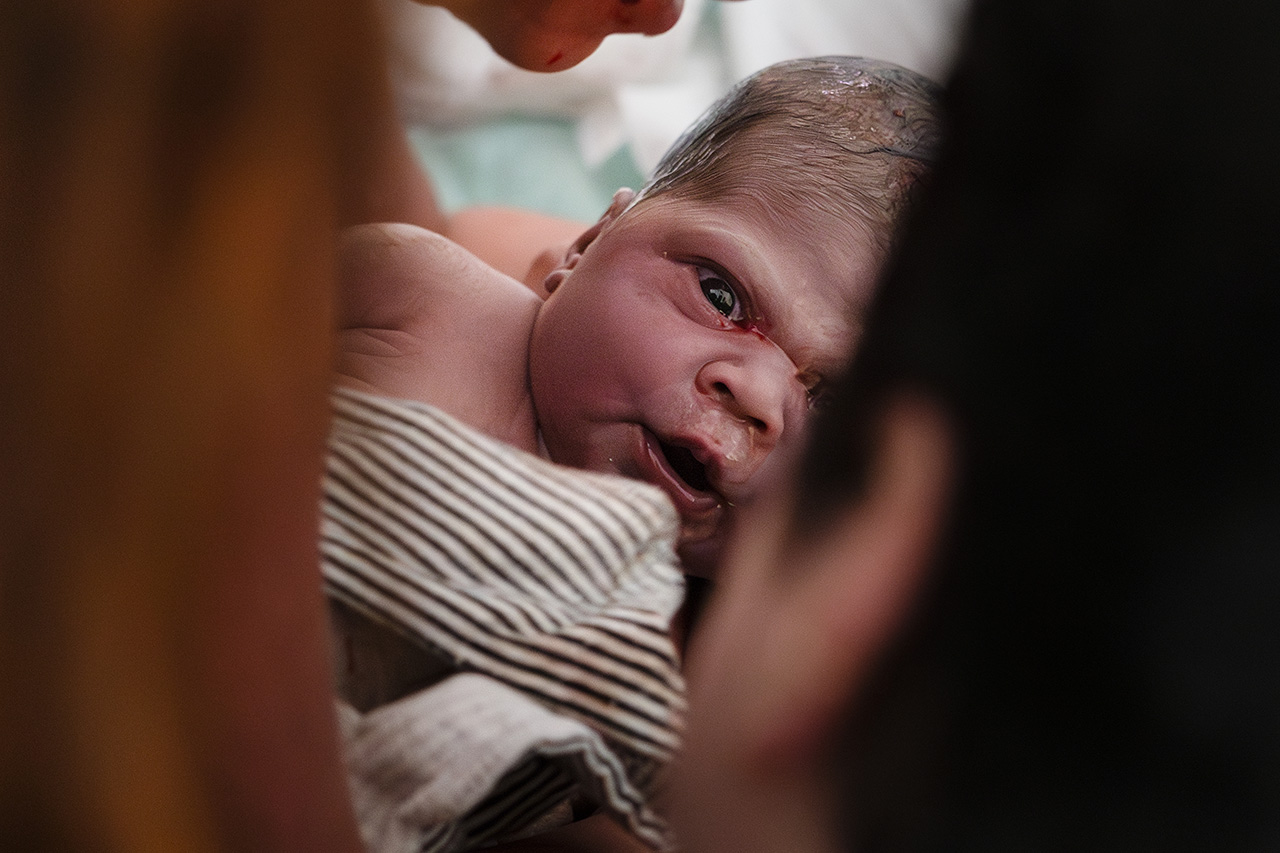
(537, 35)
(171, 176)
(552, 35)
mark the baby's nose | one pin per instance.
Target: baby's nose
(760, 396)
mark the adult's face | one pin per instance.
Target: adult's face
(552, 35)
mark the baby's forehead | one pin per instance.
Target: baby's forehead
(844, 242)
(816, 195)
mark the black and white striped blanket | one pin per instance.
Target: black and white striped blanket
(549, 594)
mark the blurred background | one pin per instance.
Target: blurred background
(562, 143)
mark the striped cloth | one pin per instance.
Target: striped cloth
(532, 601)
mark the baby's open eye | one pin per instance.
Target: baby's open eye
(816, 393)
(720, 294)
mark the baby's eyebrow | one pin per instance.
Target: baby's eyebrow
(817, 345)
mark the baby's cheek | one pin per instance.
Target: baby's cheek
(779, 468)
(646, 352)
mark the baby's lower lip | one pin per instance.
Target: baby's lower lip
(655, 468)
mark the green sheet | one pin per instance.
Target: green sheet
(524, 162)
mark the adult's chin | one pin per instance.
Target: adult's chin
(528, 36)
(548, 53)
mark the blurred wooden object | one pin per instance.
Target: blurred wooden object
(171, 174)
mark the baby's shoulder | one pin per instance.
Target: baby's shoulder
(400, 276)
(422, 318)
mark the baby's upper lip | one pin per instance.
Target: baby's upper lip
(722, 475)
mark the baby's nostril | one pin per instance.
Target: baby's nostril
(725, 395)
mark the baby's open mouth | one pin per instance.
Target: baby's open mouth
(678, 472)
(686, 466)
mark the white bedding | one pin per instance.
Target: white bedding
(561, 143)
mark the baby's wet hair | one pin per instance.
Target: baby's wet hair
(832, 138)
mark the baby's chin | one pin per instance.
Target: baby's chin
(701, 557)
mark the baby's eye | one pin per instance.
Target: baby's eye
(816, 392)
(720, 294)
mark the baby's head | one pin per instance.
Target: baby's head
(836, 141)
(690, 331)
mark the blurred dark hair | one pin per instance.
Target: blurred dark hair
(1091, 292)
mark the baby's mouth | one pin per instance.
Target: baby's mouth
(686, 466)
(678, 472)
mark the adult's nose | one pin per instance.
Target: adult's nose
(650, 17)
(654, 16)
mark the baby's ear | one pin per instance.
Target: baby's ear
(621, 201)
